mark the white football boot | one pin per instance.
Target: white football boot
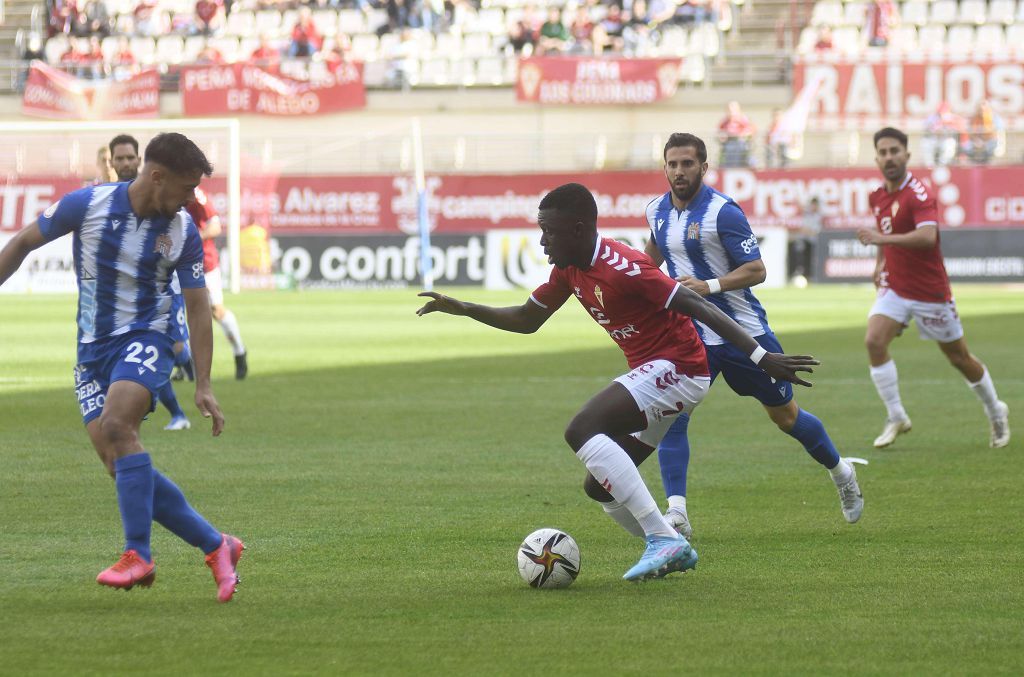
(178, 423)
(891, 431)
(850, 497)
(680, 522)
(1000, 426)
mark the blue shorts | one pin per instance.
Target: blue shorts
(179, 328)
(145, 357)
(745, 377)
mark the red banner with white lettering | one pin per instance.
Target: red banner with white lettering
(583, 80)
(872, 94)
(967, 197)
(52, 93)
(244, 88)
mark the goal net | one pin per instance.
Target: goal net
(41, 161)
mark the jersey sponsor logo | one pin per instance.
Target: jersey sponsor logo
(51, 210)
(623, 333)
(599, 316)
(749, 244)
(693, 231)
(163, 245)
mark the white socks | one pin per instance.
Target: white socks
(230, 326)
(614, 470)
(888, 387)
(624, 517)
(677, 502)
(841, 473)
(986, 392)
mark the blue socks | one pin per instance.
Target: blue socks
(172, 511)
(134, 482)
(674, 457)
(810, 432)
(170, 400)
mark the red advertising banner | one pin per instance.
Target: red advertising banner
(583, 80)
(52, 93)
(244, 88)
(870, 94)
(968, 197)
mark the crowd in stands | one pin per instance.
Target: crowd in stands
(103, 38)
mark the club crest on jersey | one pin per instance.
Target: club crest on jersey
(599, 294)
(163, 246)
(693, 231)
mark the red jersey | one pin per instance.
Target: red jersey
(917, 274)
(201, 212)
(628, 296)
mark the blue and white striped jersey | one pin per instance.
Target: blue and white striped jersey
(123, 264)
(707, 241)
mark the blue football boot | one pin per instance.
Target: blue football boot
(663, 555)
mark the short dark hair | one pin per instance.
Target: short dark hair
(890, 133)
(178, 153)
(682, 139)
(573, 198)
(121, 139)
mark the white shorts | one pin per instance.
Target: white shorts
(662, 394)
(215, 287)
(935, 321)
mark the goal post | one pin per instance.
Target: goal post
(68, 149)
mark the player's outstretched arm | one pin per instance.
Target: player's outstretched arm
(776, 365)
(524, 319)
(200, 329)
(21, 245)
(749, 274)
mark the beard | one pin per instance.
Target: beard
(686, 194)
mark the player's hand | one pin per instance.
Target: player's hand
(441, 304)
(208, 407)
(693, 284)
(785, 367)
(869, 236)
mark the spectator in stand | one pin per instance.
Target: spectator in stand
(660, 11)
(336, 52)
(554, 36)
(776, 142)
(74, 59)
(882, 18)
(306, 40)
(824, 43)
(582, 32)
(398, 16)
(611, 28)
(403, 63)
(636, 31)
(986, 130)
(209, 56)
(525, 31)
(690, 12)
(123, 60)
(97, 18)
(735, 133)
(209, 17)
(61, 15)
(266, 55)
(944, 132)
(95, 63)
(149, 19)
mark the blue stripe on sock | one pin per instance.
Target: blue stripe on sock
(810, 432)
(674, 457)
(134, 482)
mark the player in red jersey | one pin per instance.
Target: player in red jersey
(648, 315)
(209, 225)
(912, 283)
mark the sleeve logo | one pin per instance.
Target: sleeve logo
(51, 210)
(197, 270)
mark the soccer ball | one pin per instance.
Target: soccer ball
(549, 559)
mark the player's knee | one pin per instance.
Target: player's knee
(875, 345)
(594, 490)
(115, 430)
(784, 419)
(579, 430)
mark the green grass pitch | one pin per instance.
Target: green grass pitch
(382, 469)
